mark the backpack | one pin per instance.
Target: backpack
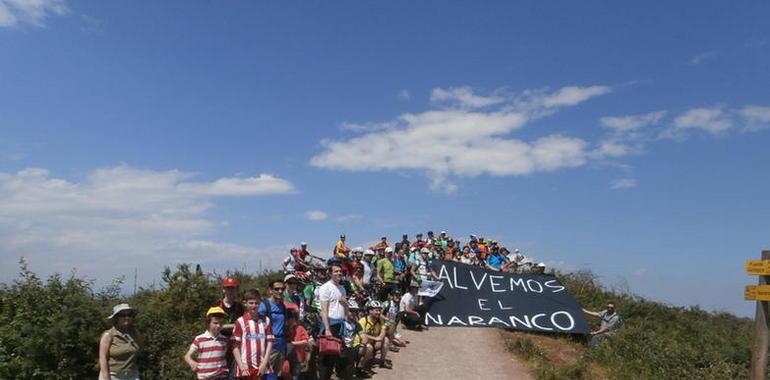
(282, 311)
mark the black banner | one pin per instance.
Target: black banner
(474, 296)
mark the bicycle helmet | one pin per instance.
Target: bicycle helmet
(374, 304)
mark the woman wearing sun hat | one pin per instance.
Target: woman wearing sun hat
(120, 346)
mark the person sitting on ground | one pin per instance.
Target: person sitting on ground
(210, 348)
(120, 346)
(374, 332)
(390, 312)
(252, 341)
(610, 323)
(411, 313)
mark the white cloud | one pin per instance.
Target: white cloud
(702, 57)
(114, 219)
(712, 120)
(572, 95)
(404, 95)
(34, 12)
(623, 183)
(612, 148)
(757, 117)
(464, 97)
(316, 215)
(349, 217)
(265, 184)
(462, 142)
(626, 123)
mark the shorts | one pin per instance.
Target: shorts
(125, 375)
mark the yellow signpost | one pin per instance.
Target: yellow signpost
(761, 294)
(758, 267)
(757, 293)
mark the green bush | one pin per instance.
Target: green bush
(659, 341)
(51, 329)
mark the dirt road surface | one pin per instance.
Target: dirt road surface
(453, 353)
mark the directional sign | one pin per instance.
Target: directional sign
(758, 267)
(757, 293)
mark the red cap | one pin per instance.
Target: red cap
(230, 283)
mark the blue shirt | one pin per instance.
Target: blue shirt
(399, 264)
(277, 319)
(495, 261)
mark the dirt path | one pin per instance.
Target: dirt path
(453, 353)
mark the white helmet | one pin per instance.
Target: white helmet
(368, 252)
(352, 304)
(425, 250)
(358, 249)
(541, 265)
(388, 250)
(374, 304)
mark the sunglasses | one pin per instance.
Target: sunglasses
(125, 315)
(278, 289)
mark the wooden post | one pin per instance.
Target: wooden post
(761, 337)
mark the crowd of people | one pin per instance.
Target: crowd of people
(340, 315)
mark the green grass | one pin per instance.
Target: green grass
(657, 341)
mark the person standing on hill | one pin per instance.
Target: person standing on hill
(275, 309)
(210, 349)
(610, 322)
(252, 341)
(334, 308)
(120, 346)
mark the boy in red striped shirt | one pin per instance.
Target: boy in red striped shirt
(210, 348)
(252, 341)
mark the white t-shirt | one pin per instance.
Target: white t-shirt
(367, 271)
(408, 299)
(333, 294)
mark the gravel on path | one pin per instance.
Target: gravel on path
(453, 353)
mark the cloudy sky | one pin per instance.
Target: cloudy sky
(631, 139)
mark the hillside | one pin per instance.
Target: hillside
(50, 328)
(657, 341)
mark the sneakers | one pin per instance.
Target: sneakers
(397, 335)
(386, 365)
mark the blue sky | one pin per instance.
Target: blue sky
(626, 138)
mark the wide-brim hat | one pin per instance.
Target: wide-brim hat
(121, 307)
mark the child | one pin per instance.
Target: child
(252, 341)
(298, 339)
(210, 347)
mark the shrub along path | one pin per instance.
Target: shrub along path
(453, 353)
